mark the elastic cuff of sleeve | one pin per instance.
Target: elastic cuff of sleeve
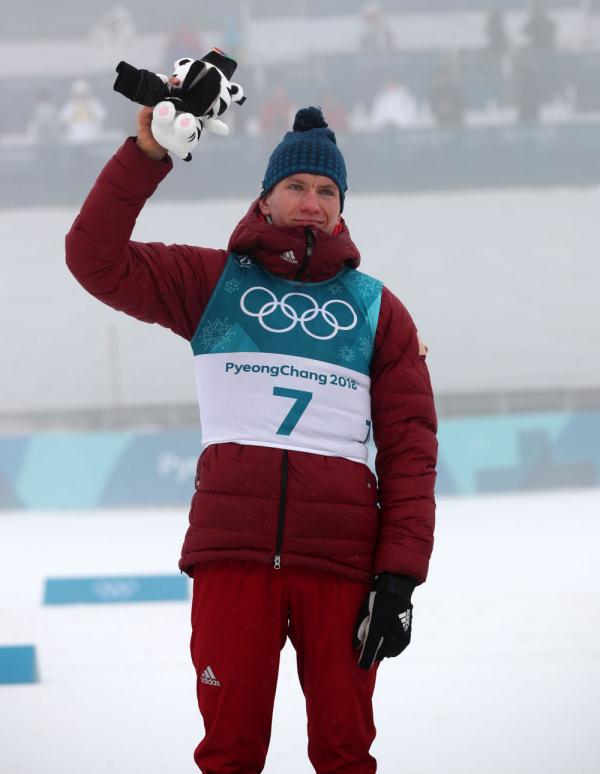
(132, 170)
(391, 583)
(132, 146)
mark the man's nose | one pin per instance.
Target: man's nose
(310, 201)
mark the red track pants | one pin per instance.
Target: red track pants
(242, 614)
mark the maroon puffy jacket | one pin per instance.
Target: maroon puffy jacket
(254, 502)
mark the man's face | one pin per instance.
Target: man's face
(304, 200)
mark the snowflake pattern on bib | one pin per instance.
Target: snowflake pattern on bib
(216, 333)
(232, 285)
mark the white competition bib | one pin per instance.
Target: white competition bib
(286, 364)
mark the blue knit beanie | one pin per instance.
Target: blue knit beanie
(310, 147)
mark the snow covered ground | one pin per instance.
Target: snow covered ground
(503, 676)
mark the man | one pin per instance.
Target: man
(298, 357)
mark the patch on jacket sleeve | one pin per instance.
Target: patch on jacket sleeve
(423, 348)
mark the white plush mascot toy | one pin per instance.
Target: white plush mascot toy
(193, 98)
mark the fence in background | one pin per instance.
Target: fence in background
(413, 160)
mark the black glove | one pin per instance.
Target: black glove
(384, 622)
(141, 86)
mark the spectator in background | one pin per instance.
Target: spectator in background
(528, 89)
(114, 27)
(44, 124)
(540, 29)
(233, 38)
(233, 43)
(497, 37)
(277, 112)
(375, 33)
(394, 106)
(83, 114)
(590, 20)
(183, 40)
(446, 96)
(497, 59)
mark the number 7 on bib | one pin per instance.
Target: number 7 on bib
(302, 398)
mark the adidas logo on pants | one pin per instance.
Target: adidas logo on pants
(208, 677)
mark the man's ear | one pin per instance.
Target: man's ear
(263, 206)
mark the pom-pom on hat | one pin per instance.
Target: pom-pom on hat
(310, 147)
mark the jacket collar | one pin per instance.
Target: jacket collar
(294, 252)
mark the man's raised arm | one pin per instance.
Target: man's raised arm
(154, 282)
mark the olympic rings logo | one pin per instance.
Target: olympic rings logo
(303, 318)
(115, 590)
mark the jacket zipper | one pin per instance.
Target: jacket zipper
(281, 517)
(310, 242)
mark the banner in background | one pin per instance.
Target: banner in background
(501, 453)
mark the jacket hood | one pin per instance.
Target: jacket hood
(282, 249)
